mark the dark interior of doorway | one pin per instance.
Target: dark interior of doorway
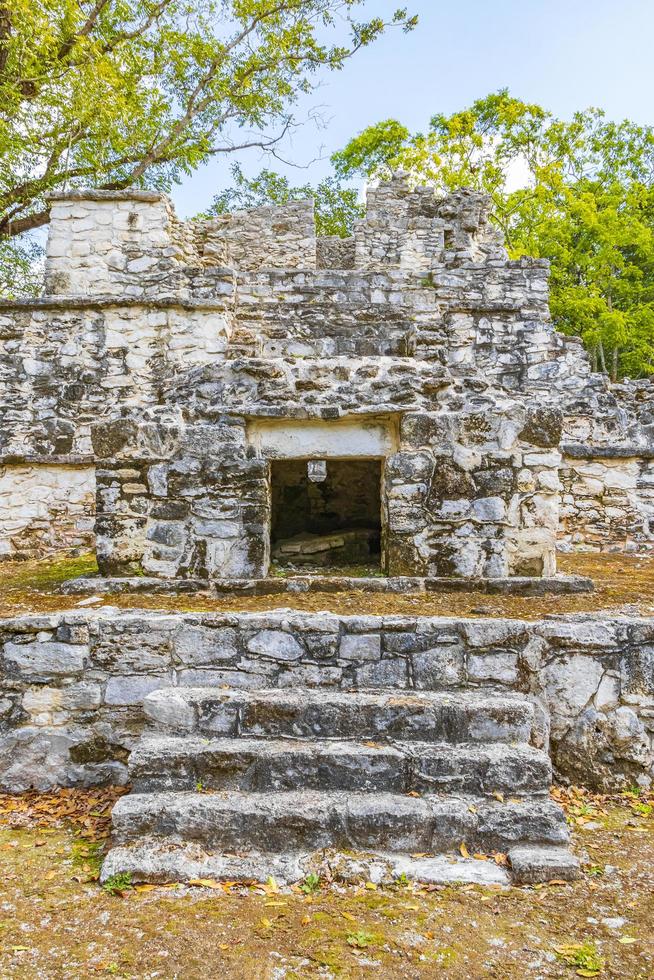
(326, 516)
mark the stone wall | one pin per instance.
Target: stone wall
(472, 493)
(45, 509)
(607, 503)
(73, 683)
(413, 229)
(333, 252)
(123, 243)
(271, 237)
(64, 364)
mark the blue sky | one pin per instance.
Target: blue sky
(564, 54)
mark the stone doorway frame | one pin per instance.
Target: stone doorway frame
(354, 437)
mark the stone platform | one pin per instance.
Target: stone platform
(258, 742)
(516, 585)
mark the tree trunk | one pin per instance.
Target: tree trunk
(614, 365)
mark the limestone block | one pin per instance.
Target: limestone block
(579, 635)
(501, 668)
(195, 645)
(275, 644)
(132, 688)
(511, 634)
(550, 459)
(438, 667)
(623, 477)
(42, 660)
(628, 728)
(549, 480)
(570, 685)
(490, 509)
(383, 673)
(54, 705)
(360, 647)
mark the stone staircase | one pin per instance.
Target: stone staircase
(244, 784)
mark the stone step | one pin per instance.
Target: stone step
(150, 860)
(531, 864)
(429, 716)
(164, 763)
(305, 821)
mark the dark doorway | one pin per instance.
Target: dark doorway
(326, 514)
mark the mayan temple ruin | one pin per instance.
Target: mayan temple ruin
(238, 406)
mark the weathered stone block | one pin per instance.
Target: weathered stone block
(441, 666)
(132, 688)
(360, 647)
(195, 645)
(501, 668)
(276, 645)
(43, 660)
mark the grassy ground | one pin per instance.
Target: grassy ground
(621, 581)
(57, 922)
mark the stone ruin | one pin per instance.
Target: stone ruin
(230, 404)
(175, 380)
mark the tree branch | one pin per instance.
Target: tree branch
(66, 46)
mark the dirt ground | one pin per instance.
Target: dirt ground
(57, 922)
(622, 582)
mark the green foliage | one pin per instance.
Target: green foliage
(20, 267)
(311, 884)
(337, 206)
(584, 956)
(122, 93)
(580, 193)
(118, 883)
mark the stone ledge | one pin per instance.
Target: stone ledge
(70, 459)
(94, 194)
(523, 586)
(578, 450)
(102, 301)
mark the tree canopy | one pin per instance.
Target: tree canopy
(122, 93)
(578, 192)
(337, 205)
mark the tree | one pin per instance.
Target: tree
(337, 206)
(580, 193)
(123, 93)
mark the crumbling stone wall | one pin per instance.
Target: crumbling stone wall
(72, 684)
(246, 312)
(45, 509)
(180, 502)
(607, 502)
(413, 229)
(333, 252)
(271, 237)
(117, 242)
